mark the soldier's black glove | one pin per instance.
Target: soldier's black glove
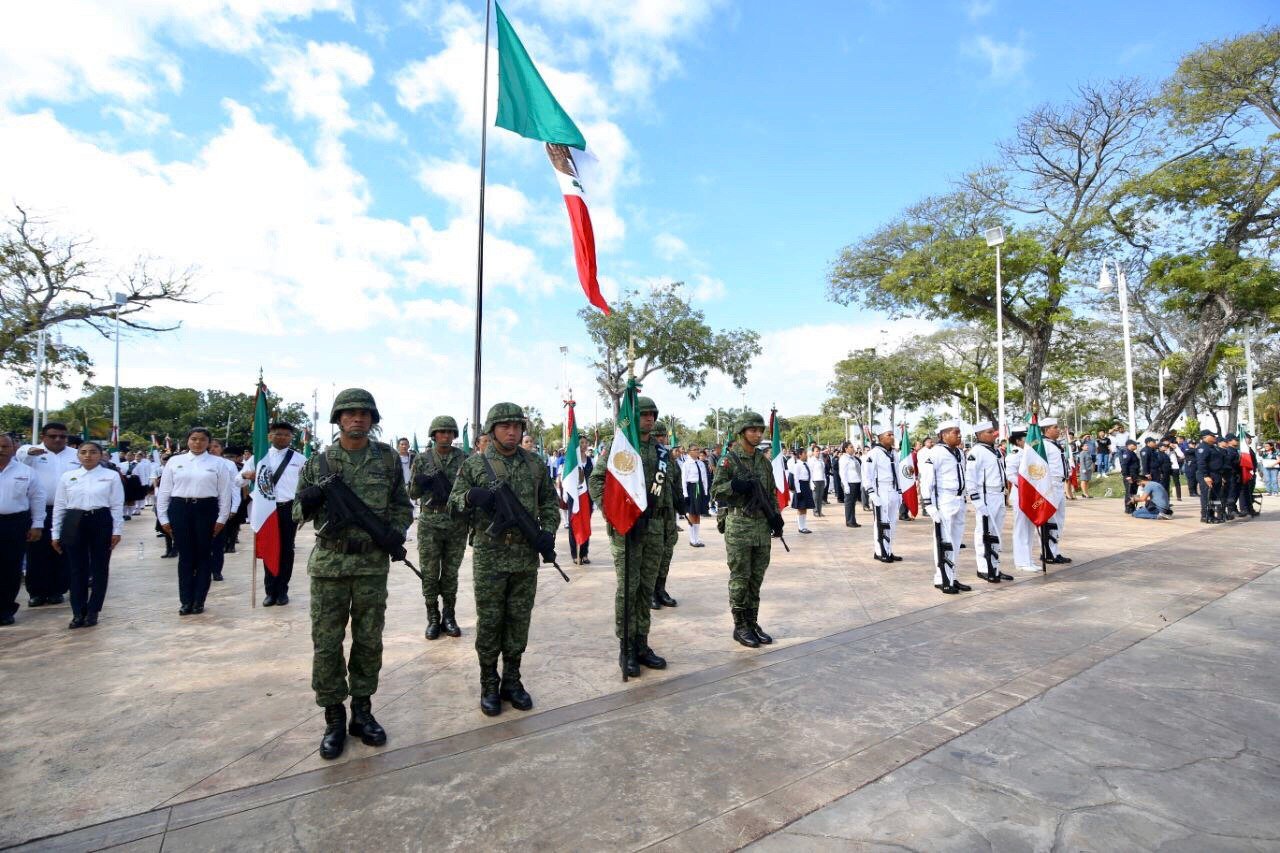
(775, 525)
(422, 482)
(311, 498)
(480, 497)
(546, 545)
(742, 487)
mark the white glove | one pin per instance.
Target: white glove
(933, 512)
(875, 499)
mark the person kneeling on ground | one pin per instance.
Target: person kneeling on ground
(1152, 500)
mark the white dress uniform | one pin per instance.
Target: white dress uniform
(1059, 473)
(882, 482)
(943, 495)
(985, 473)
(697, 486)
(21, 511)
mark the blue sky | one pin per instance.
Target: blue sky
(315, 161)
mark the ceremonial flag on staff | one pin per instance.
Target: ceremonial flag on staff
(624, 493)
(466, 442)
(527, 107)
(1246, 461)
(574, 485)
(415, 442)
(1035, 494)
(306, 442)
(907, 473)
(263, 517)
(776, 459)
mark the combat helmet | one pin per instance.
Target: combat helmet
(353, 398)
(442, 423)
(659, 428)
(503, 413)
(747, 420)
(646, 404)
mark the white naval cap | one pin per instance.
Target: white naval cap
(1048, 422)
(951, 424)
(881, 429)
(983, 425)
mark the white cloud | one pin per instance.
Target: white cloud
(1005, 61)
(669, 246)
(705, 288)
(459, 184)
(139, 120)
(313, 81)
(976, 9)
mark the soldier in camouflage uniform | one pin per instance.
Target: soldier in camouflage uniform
(647, 542)
(505, 570)
(746, 531)
(671, 531)
(442, 535)
(348, 572)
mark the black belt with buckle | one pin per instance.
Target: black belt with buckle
(347, 546)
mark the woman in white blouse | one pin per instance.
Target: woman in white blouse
(88, 512)
(192, 505)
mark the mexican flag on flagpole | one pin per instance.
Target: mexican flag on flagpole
(1035, 494)
(624, 493)
(263, 517)
(466, 442)
(907, 473)
(777, 460)
(527, 107)
(1246, 461)
(574, 486)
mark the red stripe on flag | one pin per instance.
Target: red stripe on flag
(1033, 504)
(584, 250)
(266, 543)
(580, 521)
(618, 506)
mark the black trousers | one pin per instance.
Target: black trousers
(1246, 497)
(576, 551)
(1193, 483)
(13, 538)
(46, 568)
(851, 503)
(1176, 479)
(1231, 493)
(88, 550)
(192, 520)
(1206, 502)
(278, 584)
(1130, 489)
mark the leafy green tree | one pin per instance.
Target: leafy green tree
(16, 418)
(671, 337)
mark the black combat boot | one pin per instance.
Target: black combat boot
(627, 659)
(667, 601)
(433, 622)
(742, 632)
(646, 656)
(363, 725)
(511, 689)
(335, 731)
(655, 603)
(490, 698)
(450, 624)
(761, 636)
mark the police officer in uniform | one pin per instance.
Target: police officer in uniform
(505, 569)
(942, 494)
(1130, 470)
(985, 474)
(1209, 464)
(648, 544)
(442, 534)
(671, 534)
(747, 532)
(881, 481)
(1230, 448)
(348, 571)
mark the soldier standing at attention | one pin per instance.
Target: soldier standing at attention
(1059, 473)
(505, 569)
(648, 543)
(671, 532)
(985, 474)
(943, 494)
(747, 531)
(442, 535)
(880, 481)
(348, 571)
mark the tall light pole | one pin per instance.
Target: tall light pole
(969, 386)
(995, 239)
(1122, 286)
(564, 389)
(35, 397)
(874, 386)
(121, 299)
(846, 417)
(1248, 380)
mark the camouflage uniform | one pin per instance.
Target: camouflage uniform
(442, 534)
(505, 570)
(746, 533)
(646, 546)
(670, 530)
(353, 585)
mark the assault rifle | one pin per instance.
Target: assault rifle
(764, 504)
(988, 540)
(344, 508)
(944, 549)
(882, 531)
(508, 513)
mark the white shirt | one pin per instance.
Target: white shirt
(817, 470)
(880, 474)
(49, 467)
(850, 469)
(190, 476)
(1011, 467)
(984, 472)
(942, 477)
(94, 489)
(1059, 467)
(287, 488)
(694, 471)
(20, 491)
(406, 462)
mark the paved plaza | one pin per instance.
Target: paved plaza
(1123, 702)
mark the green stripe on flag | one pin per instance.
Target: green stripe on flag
(525, 104)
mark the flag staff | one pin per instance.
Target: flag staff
(627, 539)
(484, 146)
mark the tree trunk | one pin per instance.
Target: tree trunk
(1214, 322)
(1037, 355)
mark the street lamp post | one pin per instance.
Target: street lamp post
(846, 417)
(969, 386)
(1248, 380)
(35, 397)
(995, 239)
(1122, 286)
(120, 299)
(874, 386)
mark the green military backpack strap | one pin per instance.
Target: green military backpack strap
(535, 468)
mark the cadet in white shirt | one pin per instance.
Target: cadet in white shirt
(193, 505)
(697, 487)
(88, 514)
(21, 511)
(277, 480)
(851, 478)
(817, 478)
(985, 474)
(46, 568)
(882, 482)
(801, 489)
(224, 540)
(942, 494)
(1059, 472)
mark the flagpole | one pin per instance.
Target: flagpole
(484, 147)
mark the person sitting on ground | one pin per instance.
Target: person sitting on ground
(1152, 500)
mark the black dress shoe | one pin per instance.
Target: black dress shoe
(7, 619)
(515, 693)
(880, 559)
(949, 590)
(282, 599)
(894, 558)
(989, 578)
(585, 562)
(806, 530)
(35, 601)
(217, 577)
(185, 610)
(77, 622)
(53, 599)
(697, 544)
(1003, 576)
(961, 587)
(90, 620)
(1060, 560)
(335, 732)
(269, 601)
(199, 608)
(363, 725)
